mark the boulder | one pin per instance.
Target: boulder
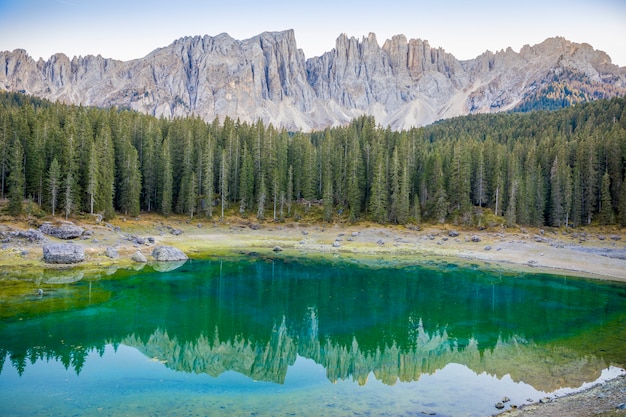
(63, 253)
(139, 257)
(31, 235)
(65, 231)
(112, 253)
(168, 254)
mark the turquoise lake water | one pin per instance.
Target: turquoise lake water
(263, 337)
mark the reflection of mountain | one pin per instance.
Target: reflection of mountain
(256, 317)
(523, 361)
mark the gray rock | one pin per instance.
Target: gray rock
(336, 244)
(139, 257)
(65, 231)
(112, 253)
(137, 240)
(475, 239)
(176, 232)
(63, 253)
(31, 235)
(453, 233)
(277, 249)
(168, 254)
(220, 76)
(487, 247)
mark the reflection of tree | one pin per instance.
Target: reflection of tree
(71, 357)
(523, 361)
(393, 323)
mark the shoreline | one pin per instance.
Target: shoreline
(593, 253)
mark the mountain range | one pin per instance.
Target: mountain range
(403, 83)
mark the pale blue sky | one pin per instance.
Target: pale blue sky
(131, 29)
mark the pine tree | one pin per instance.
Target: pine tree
(480, 186)
(149, 165)
(16, 179)
(167, 178)
(327, 194)
(54, 183)
(208, 185)
(92, 177)
(105, 190)
(191, 196)
(441, 204)
(246, 185)
(262, 197)
(224, 170)
(378, 198)
(68, 194)
(355, 180)
(289, 196)
(622, 205)
(606, 207)
(129, 180)
(577, 198)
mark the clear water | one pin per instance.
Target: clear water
(282, 337)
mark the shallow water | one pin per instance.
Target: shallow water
(278, 337)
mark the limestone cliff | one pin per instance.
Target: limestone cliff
(403, 83)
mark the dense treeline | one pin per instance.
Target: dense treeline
(542, 168)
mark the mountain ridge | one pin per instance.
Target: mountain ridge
(403, 83)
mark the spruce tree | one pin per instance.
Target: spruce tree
(16, 179)
(208, 189)
(606, 207)
(54, 183)
(167, 178)
(246, 186)
(224, 180)
(105, 190)
(92, 177)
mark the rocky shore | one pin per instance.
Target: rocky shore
(595, 253)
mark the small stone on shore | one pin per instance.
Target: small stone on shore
(139, 257)
(112, 253)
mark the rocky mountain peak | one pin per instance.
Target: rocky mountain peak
(403, 83)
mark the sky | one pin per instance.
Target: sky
(129, 29)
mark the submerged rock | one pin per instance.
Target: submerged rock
(63, 253)
(168, 254)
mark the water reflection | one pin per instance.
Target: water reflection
(396, 325)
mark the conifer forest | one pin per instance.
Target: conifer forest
(543, 168)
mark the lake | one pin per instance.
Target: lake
(252, 336)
